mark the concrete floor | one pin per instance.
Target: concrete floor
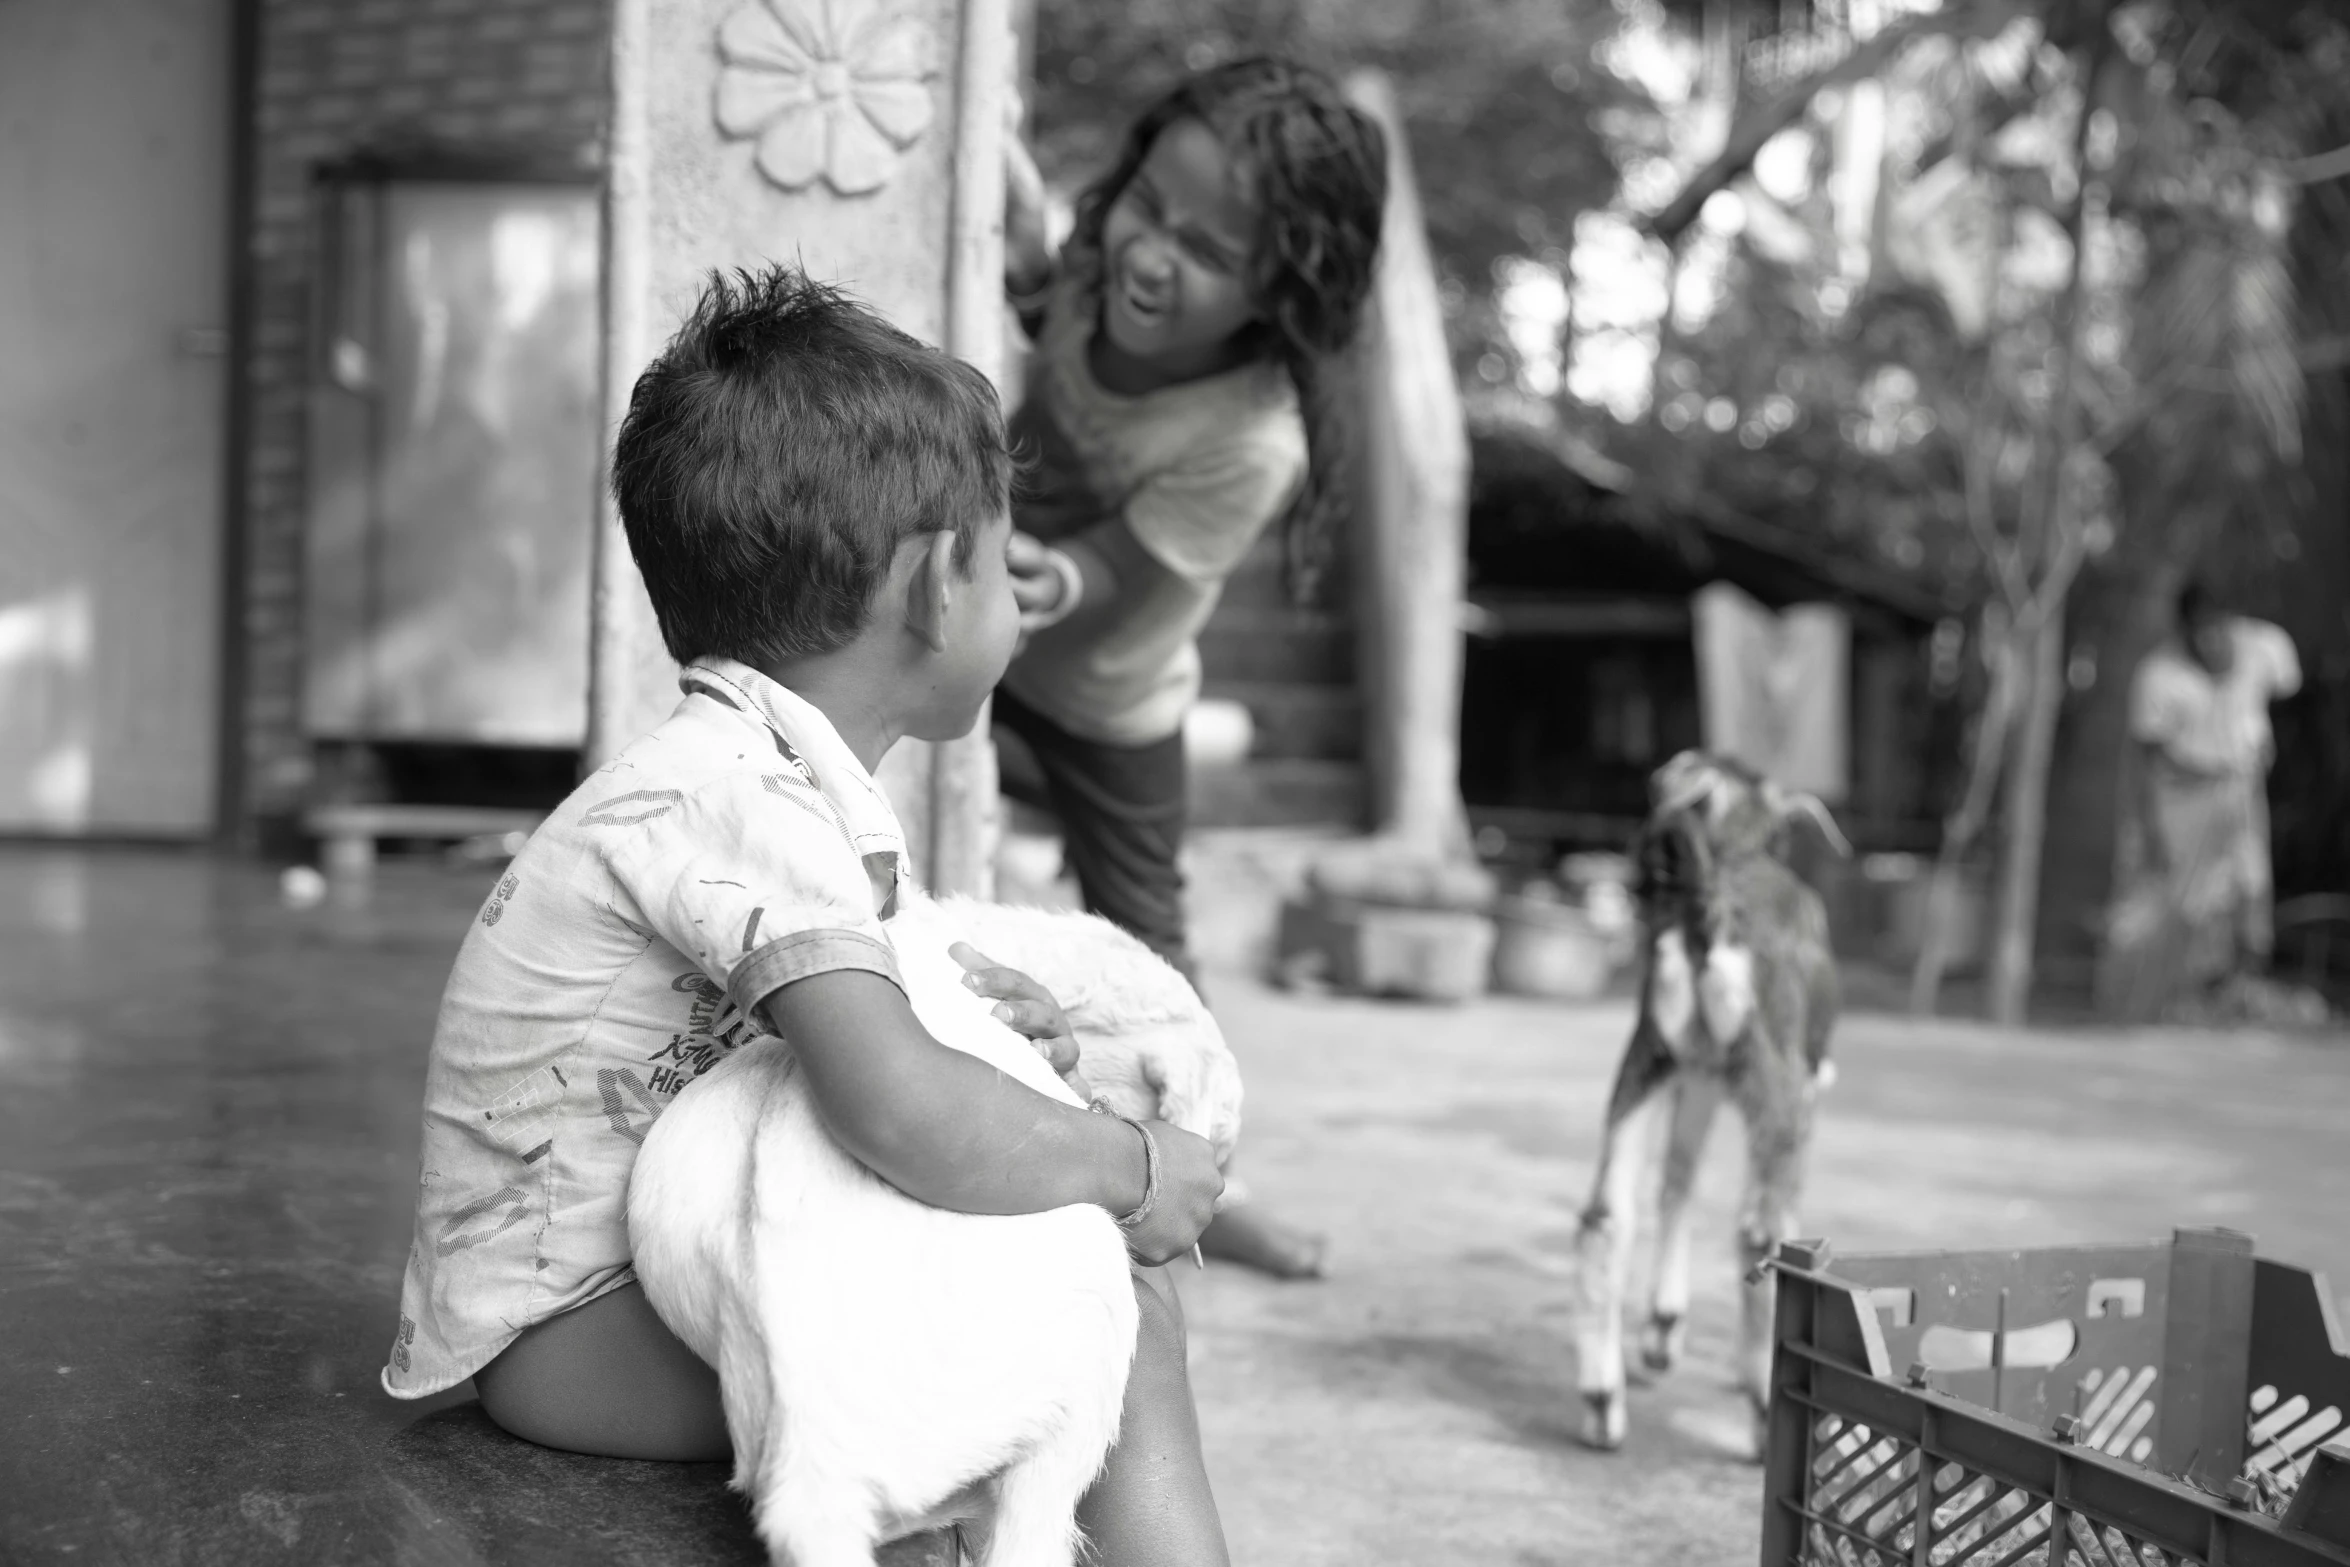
(207, 1159)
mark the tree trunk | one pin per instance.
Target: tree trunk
(2051, 545)
(2015, 923)
(1987, 763)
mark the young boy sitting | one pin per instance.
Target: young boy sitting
(818, 506)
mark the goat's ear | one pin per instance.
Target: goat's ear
(1789, 804)
(1686, 780)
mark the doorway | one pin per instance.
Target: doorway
(114, 137)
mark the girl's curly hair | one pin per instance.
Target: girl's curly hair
(1320, 167)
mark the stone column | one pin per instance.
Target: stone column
(863, 139)
(1411, 538)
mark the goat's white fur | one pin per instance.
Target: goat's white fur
(1725, 991)
(1721, 991)
(885, 1364)
(1745, 1024)
(1672, 997)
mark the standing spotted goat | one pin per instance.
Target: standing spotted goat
(1738, 993)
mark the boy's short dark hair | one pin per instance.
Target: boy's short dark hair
(777, 453)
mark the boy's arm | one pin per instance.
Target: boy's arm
(941, 1126)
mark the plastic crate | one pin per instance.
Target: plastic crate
(2112, 1406)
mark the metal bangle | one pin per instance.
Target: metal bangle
(1072, 592)
(1028, 302)
(1150, 1171)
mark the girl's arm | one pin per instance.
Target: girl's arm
(949, 1130)
(1112, 569)
(1029, 258)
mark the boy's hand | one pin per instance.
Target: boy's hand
(1189, 1184)
(1025, 1007)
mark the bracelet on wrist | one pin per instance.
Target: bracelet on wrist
(1028, 301)
(1072, 581)
(1150, 1166)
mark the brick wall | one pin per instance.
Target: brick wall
(331, 78)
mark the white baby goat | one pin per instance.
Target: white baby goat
(887, 1366)
(1738, 996)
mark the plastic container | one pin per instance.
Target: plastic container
(2103, 1406)
(1375, 950)
(1544, 947)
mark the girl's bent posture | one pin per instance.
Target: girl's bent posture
(1174, 411)
(816, 503)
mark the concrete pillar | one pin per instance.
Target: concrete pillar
(1411, 539)
(863, 138)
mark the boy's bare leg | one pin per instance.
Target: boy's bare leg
(1152, 1506)
(607, 1378)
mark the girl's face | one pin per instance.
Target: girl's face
(1175, 254)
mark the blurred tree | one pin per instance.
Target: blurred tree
(2154, 149)
(1889, 272)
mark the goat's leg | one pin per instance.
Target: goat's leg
(1035, 1517)
(1695, 1098)
(1603, 1243)
(1035, 1521)
(815, 1520)
(1777, 1108)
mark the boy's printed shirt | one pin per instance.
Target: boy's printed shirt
(737, 847)
(1196, 470)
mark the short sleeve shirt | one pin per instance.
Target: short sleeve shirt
(736, 848)
(2215, 723)
(1196, 470)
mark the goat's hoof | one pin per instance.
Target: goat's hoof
(1603, 1421)
(1660, 1343)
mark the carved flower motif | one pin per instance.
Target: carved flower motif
(829, 87)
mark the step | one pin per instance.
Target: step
(1282, 792)
(1249, 645)
(1324, 722)
(1259, 582)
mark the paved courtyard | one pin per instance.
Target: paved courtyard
(207, 1146)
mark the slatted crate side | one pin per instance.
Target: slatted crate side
(2298, 1375)
(1859, 1459)
(2076, 1330)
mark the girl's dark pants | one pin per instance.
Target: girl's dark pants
(1121, 810)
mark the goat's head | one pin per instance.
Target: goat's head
(1730, 807)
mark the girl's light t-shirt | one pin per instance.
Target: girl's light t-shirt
(1196, 470)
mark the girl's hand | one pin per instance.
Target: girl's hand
(1025, 1007)
(1036, 587)
(1028, 241)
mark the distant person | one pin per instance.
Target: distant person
(2197, 908)
(1172, 416)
